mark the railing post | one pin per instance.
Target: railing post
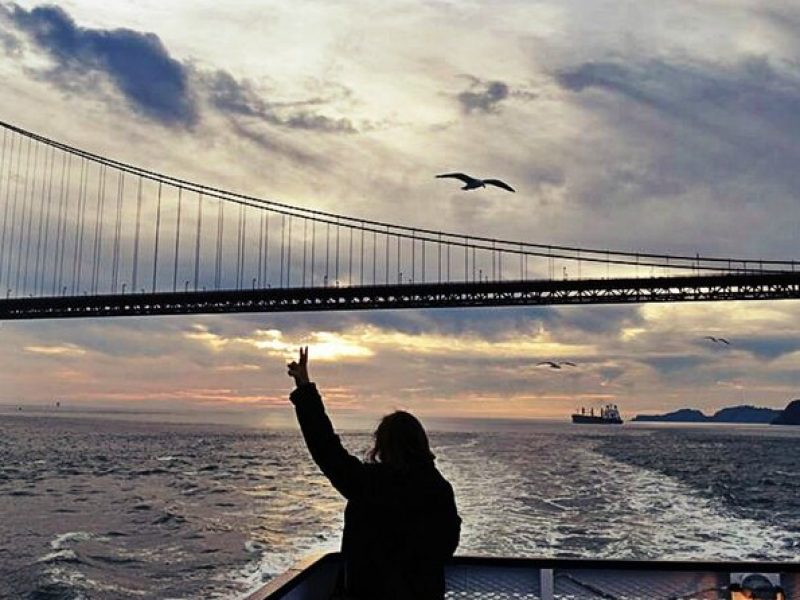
(546, 584)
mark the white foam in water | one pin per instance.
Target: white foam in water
(547, 498)
(268, 565)
(58, 555)
(70, 537)
(689, 526)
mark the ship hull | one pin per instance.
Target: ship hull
(594, 420)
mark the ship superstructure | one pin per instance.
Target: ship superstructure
(607, 415)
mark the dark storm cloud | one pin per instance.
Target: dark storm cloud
(718, 138)
(598, 319)
(487, 324)
(137, 64)
(768, 347)
(8, 42)
(272, 143)
(668, 365)
(234, 97)
(153, 83)
(483, 96)
(703, 95)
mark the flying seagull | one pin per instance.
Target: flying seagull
(717, 340)
(557, 365)
(472, 183)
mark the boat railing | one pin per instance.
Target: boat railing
(497, 578)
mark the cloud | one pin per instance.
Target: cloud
(8, 42)
(56, 350)
(239, 97)
(769, 347)
(483, 96)
(669, 365)
(701, 94)
(325, 345)
(137, 64)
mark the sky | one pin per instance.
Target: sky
(640, 126)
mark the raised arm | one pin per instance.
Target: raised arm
(344, 470)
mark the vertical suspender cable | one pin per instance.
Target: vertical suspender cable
(39, 289)
(155, 243)
(5, 196)
(439, 263)
(57, 289)
(14, 212)
(494, 261)
(500, 265)
(244, 243)
(423, 260)
(350, 260)
(84, 203)
(24, 207)
(305, 248)
(338, 228)
(197, 241)
(99, 215)
(283, 242)
(448, 262)
(327, 252)
(289, 255)
(473, 264)
(135, 272)
(362, 254)
(260, 247)
(466, 261)
(218, 256)
(118, 232)
(177, 241)
(78, 241)
(387, 238)
(413, 257)
(266, 252)
(313, 248)
(58, 252)
(239, 248)
(35, 214)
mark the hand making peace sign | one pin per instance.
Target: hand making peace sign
(299, 370)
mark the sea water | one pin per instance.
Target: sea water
(99, 508)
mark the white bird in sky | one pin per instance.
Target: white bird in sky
(556, 365)
(717, 340)
(471, 183)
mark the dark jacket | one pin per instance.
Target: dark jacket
(399, 527)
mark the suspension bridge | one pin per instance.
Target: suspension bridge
(84, 235)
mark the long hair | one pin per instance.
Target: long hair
(401, 442)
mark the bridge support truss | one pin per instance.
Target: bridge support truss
(758, 286)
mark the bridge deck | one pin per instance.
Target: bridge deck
(704, 288)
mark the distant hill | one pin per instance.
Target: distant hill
(684, 415)
(790, 415)
(745, 414)
(732, 414)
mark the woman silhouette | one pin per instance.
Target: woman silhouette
(400, 524)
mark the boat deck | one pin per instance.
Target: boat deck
(478, 578)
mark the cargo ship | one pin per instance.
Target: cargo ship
(608, 415)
